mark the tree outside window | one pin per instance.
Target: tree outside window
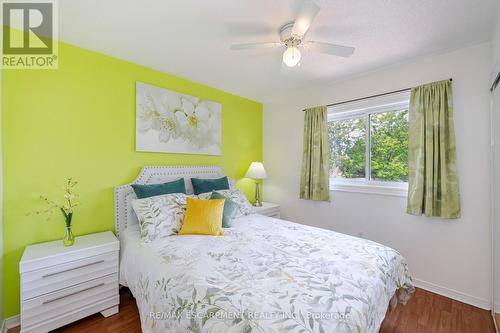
(385, 159)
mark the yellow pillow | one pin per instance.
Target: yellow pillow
(203, 217)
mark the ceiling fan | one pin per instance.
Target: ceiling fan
(292, 38)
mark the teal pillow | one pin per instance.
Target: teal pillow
(151, 190)
(230, 209)
(209, 185)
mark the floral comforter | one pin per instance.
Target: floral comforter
(263, 275)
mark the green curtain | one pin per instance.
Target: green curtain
(433, 181)
(314, 179)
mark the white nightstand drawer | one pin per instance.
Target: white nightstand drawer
(50, 279)
(42, 255)
(269, 212)
(54, 305)
(268, 209)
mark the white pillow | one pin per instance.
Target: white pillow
(237, 196)
(160, 216)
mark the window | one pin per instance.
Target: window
(369, 145)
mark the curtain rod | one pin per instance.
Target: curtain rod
(367, 97)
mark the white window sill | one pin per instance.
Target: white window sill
(379, 188)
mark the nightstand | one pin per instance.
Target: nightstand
(60, 285)
(268, 209)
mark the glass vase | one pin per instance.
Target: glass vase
(69, 238)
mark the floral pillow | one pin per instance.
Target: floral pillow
(237, 196)
(160, 216)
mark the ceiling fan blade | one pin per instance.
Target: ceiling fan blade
(304, 19)
(254, 45)
(332, 49)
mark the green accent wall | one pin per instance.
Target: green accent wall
(79, 121)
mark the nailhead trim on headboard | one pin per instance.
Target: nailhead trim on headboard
(150, 175)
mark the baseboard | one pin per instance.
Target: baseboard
(495, 322)
(453, 294)
(11, 322)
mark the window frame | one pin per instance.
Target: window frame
(365, 108)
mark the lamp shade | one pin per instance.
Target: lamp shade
(256, 171)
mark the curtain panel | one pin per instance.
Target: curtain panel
(314, 178)
(433, 188)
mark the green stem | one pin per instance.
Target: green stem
(67, 217)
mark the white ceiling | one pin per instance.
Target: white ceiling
(191, 38)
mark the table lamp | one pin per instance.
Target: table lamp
(256, 172)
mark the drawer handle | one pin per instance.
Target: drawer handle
(74, 293)
(72, 269)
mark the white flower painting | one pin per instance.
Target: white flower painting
(170, 122)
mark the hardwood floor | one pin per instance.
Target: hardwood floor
(425, 312)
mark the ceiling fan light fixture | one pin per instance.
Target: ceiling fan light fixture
(291, 56)
(292, 36)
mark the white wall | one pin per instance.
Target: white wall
(450, 257)
(496, 123)
(496, 45)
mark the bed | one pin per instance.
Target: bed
(263, 275)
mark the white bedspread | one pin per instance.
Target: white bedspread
(263, 275)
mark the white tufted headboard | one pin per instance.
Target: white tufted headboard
(124, 194)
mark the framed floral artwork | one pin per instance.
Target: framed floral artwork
(171, 122)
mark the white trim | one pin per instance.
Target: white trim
(11, 322)
(492, 209)
(370, 187)
(453, 294)
(358, 113)
(364, 109)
